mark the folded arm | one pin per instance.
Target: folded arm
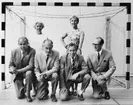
(83, 67)
(62, 40)
(112, 68)
(12, 66)
(90, 67)
(55, 67)
(30, 66)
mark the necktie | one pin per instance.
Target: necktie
(98, 56)
(72, 64)
(22, 58)
(47, 58)
(23, 54)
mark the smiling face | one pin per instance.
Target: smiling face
(72, 50)
(74, 21)
(39, 27)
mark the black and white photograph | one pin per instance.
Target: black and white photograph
(66, 52)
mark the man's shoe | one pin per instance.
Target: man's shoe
(81, 97)
(53, 98)
(34, 94)
(29, 99)
(107, 95)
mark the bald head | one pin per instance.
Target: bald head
(48, 41)
(23, 39)
(47, 46)
(23, 43)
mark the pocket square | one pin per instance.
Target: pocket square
(104, 60)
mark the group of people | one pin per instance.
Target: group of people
(33, 69)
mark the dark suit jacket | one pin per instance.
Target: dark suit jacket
(66, 67)
(106, 63)
(26, 62)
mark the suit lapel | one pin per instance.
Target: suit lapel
(96, 60)
(49, 60)
(68, 61)
(19, 58)
(67, 66)
(76, 61)
(43, 59)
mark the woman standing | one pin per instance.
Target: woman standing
(37, 37)
(76, 36)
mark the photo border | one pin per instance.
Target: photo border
(71, 4)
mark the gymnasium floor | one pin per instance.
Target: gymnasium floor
(119, 96)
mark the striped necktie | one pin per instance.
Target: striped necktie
(73, 63)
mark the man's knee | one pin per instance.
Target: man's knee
(96, 95)
(42, 94)
(20, 94)
(29, 73)
(55, 75)
(63, 97)
(87, 77)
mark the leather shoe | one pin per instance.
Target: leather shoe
(34, 94)
(29, 99)
(81, 97)
(107, 95)
(53, 98)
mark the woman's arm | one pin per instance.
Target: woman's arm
(62, 40)
(81, 42)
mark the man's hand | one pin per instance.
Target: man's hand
(46, 74)
(40, 77)
(74, 77)
(101, 79)
(12, 70)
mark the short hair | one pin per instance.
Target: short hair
(48, 40)
(101, 40)
(74, 17)
(39, 23)
(73, 45)
(23, 38)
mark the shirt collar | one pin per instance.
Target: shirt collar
(100, 52)
(73, 57)
(27, 51)
(49, 54)
(22, 52)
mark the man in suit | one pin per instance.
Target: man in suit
(73, 69)
(46, 69)
(102, 66)
(21, 66)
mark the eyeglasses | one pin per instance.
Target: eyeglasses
(95, 44)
